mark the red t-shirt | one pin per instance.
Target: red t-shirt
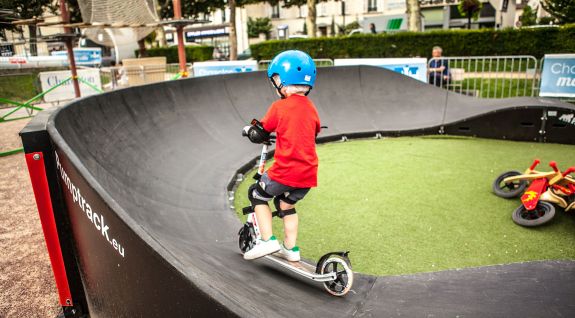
(296, 123)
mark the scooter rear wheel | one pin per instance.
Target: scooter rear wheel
(344, 275)
(543, 213)
(510, 189)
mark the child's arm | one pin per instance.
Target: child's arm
(270, 120)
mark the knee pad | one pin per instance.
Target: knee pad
(262, 196)
(279, 212)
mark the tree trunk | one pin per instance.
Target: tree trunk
(33, 47)
(142, 47)
(469, 20)
(310, 20)
(413, 15)
(162, 37)
(233, 32)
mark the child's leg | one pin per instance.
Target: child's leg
(291, 223)
(264, 218)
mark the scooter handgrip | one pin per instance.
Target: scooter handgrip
(534, 164)
(553, 165)
(569, 171)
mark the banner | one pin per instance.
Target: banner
(558, 75)
(84, 56)
(66, 90)
(224, 67)
(413, 67)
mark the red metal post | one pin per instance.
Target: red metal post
(69, 47)
(37, 170)
(180, 36)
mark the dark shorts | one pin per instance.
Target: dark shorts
(273, 188)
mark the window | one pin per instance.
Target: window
(371, 5)
(276, 11)
(224, 17)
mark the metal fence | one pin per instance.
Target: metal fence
(124, 76)
(486, 76)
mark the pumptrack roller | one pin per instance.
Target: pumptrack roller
(154, 162)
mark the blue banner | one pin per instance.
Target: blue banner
(413, 67)
(84, 56)
(224, 67)
(558, 75)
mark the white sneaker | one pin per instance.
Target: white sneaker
(263, 248)
(291, 255)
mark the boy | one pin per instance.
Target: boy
(296, 123)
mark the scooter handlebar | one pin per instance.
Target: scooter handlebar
(553, 165)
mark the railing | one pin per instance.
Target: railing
(486, 76)
(263, 64)
(118, 77)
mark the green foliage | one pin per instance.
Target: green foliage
(470, 8)
(525, 41)
(193, 53)
(562, 10)
(191, 9)
(258, 26)
(529, 17)
(546, 20)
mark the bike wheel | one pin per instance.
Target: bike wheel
(508, 190)
(246, 237)
(340, 265)
(543, 213)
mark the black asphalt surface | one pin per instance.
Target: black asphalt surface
(162, 155)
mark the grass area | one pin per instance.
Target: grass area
(497, 88)
(420, 204)
(18, 88)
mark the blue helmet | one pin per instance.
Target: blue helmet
(294, 68)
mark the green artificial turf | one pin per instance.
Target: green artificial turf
(420, 204)
(18, 88)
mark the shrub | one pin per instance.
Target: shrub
(526, 41)
(193, 53)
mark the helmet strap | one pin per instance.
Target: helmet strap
(278, 87)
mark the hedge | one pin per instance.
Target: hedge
(194, 53)
(525, 41)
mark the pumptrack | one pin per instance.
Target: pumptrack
(139, 182)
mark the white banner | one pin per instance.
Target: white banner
(413, 67)
(66, 90)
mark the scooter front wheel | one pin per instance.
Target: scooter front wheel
(543, 213)
(341, 266)
(508, 190)
(246, 237)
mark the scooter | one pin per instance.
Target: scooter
(545, 189)
(333, 269)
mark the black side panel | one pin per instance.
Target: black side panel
(122, 276)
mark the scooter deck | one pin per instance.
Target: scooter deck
(304, 269)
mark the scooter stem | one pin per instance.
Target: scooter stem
(263, 159)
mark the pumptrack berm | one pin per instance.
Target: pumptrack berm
(140, 180)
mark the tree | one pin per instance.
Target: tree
(413, 15)
(529, 17)
(259, 26)
(470, 9)
(562, 10)
(28, 9)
